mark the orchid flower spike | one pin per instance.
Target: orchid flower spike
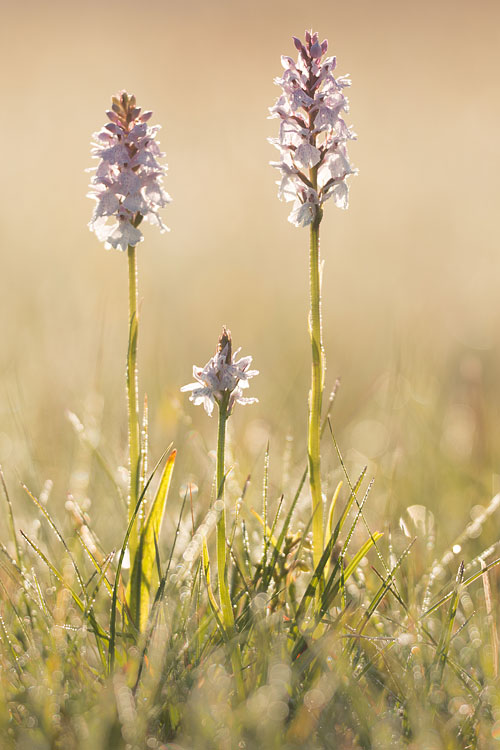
(221, 375)
(127, 185)
(312, 142)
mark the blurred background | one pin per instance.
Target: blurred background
(411, 304)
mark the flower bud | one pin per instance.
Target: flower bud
(221, 375)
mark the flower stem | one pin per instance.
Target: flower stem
(221, 445)
(317, 375)
(134, 433)
(225, 599)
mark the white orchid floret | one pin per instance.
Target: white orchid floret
(313, 134)
(128, 181)
(221, 375)
(290, 180)
(306, 155)
(118, 235)
(304, 209)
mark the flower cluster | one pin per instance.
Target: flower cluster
(313, 136)
(127, 185)
(222, 374)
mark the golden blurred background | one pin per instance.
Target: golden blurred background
(412, 269)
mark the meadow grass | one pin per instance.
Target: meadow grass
(390, 642)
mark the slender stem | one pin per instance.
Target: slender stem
(134, 430)
(225, 599)
(317, 376)
(221, 445)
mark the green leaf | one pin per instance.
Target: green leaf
(112, 619)
(143, 564)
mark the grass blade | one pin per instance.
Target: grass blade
(444, 643)
(112, 624)
(144, 559)
(12, 524)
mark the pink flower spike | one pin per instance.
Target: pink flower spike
(223, 374)
(127, 185)
(313, 135)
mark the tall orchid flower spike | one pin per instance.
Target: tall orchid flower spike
(314, 166)
(222, 382)
(127, 185)
(313, 137)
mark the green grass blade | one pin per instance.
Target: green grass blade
(265, 497)
(445, 640)
(96, 564)
(381, 592)
(332, 590)
(314, 582)
(54, 572)
(143, 563)
(465, 583)
(4, 636)
(98, 630)
(153, 615)
(329, 522)
(58, 534)
(12, 524)
(114, 601)
(102, 577)
(217, 612)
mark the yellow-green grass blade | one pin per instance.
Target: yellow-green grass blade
(211, 598)
(143, 564)
(329, 523)
(441, 655)
(112, 620)
(96, 564)
(98, 631)
(12, 526)
(58, 534)
(464, 585)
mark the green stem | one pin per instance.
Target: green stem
(221, 445)
(134, 430)
(317, 375)
(225, 599)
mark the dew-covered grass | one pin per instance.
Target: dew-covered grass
(393, 645)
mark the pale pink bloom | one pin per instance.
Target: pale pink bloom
(313, 133)
(128, 181)
(222, 374)
(304, 208)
